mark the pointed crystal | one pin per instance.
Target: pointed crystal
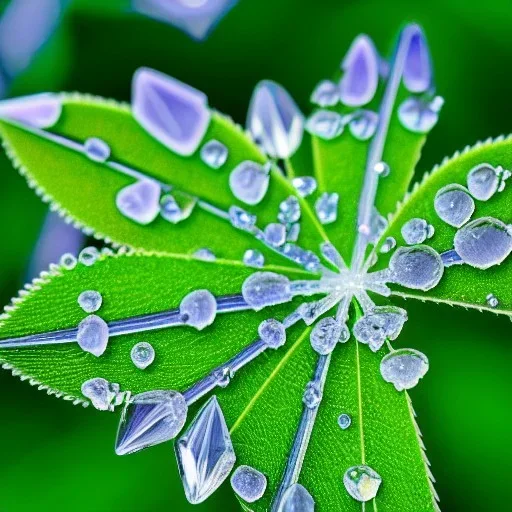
(296, 499)
(149, 419)
(417, 75)
(140, 201)
(205, 453)
(39, 110)
(172, 112)
(92, 335)
(274, 120)
(483, 182)
(249, 182)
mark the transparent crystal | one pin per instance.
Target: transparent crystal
(363, 124)
(177, 207)
(205, 254)
(149, 419)
(418, 267)
(140, 201)
(417, 75)
(344, 421)
(326, 94)
(289, 210)
(68, 261)
(263, 289)
(304, 185)
(88, 256)
(102, 394)
(450, 258)
(326, 207)
(275, 234)
(92, 335)
(388, 245)
(312, 395)
(205, 453)
(362, 482)
(492, 301)
(404, 367)
(454, 205)
(214, 154)
(272, 332)
(90, 301)
(274, 120)
(419, 115)
(483, 242)
(198, 309)
(254, 258)
(241, 219)
(483, 181)
(296, 499)
(248, 483)
(97, 149)
(249, 182)
(142, 354)
(325, 124)
(415, 231)
(293, 231)
(325, 335)
(307, 259)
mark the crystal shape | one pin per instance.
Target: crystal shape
(140, 201)
(326, 207)
(142, 354)
(214, 154)
(275, 234)
(484, 242)
(254, 258)
(248, 483)
(492, 301)
(360, 78)
(326, 94)
(325, 335)
(362, 482)
(312, 395)
(90, 301)
(174, 113)
(417, 75)
(363, 124)
(88, 256)
(149, 419)
(92, 335)
(177, 207)
(454, 205)
(418, 267)
(274, 120)
(248, 182)
(289, 210)
(419, 115)
(296, 499)
(263, 289)
(38, 110)
(272, 332)
(205, 453)
(241, 219)
(204, 254)
(68, 261)
(483, 181)
(344, 421)
(307, 259)
(97, 150)
(388, 245)
(198, 309)
(102, 394)
(325, 124)
(304, 185)
(293, 231)
(404, 367)
(414, 231)
(450, 258)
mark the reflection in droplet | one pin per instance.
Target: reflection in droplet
(404, 367)
(454, 205)
(362, 482)
(483, 181)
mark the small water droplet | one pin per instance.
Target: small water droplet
(388, 245)
(140, 201)
(312, 395)
(97, 149)
(68, 261)
(88, 256)
(293, 232)
(199, 308)
(415, 231)
(325, 124)
(254, 258)
(404, 367)
(419, 115)
(344, 421)
(214, 154)
(454, 205)
(272, 332)
(102, 394)
(430, 231)
(382, 169)
(241, 219)
(289, 210)
(178, 207)
(483, 181)
(249, 182)
(326, 207)
(307, 259)
(142, 354)
(275, 234)
(92, 335)
(263, 289)
(483, 242)
(492, 300)
(90, 301)
(248, 483)
(304, 185)
(204, 254)
(363, 124)
(325, 335)
(326, 94)
(362, 482)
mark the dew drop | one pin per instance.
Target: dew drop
(92, 335)
(483, 242)
(325, 124)
(325, 335)
(304, 185)
(415, 231)
(312, 395)
(419, 115)
(68, 261)
(308, 259)
(88, 256)
(142, 354)
(249, 182)
(199, 308)
(418, 267)
(178, 207)
(254, 258)
(404, 367)
(363, 124)
(289, 210)
(140, 201)
(241, 219)
(454, 205)
(483, 181)
(275, 234)
(326, 94)
(388, 245)
(263, 289)
(326, 207)
(492, 301)
(362, 482)
(214, 154)
(293, 232)
(344, 421)
(90, 301)
(102, 394)
(382, 169)
(248, 483)
(204, 254)
(272, 332)
(97, 149)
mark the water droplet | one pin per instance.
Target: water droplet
(309, 260)
(415, 231)
(205, 453)
(492, 301)
(275, 234)
(326, 94)
(90, 301)
(254, 258)
(454, 205)
(296, 499)
(362, 482)
(275, 120)
(178, 207)
(88, 256)
(293, 232)
(241, 219)
(272, 332)
(388, 245)
(140, 201)
(325, 335)
(326, 207)
(92, 335)
(304, 185)
(312, 395)
(248, 483)
(363, 124)
(417, 75)
(404, 368)
(204, 254)
(325, 124)
(39, 110)
(102, 394)
(430, 231)
(68, 261)
(419, 115)
(97, 149)
(263, 289)
(289, 210)
(382, 169)
(199, 309)
(345, 334)
(344, 421)
(214, 154)
(142, 354)
(249, 182)
(149, 419)
(483, 181)
(450, 258)
(418, 267)
(483, 242)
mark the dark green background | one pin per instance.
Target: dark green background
(58, 457)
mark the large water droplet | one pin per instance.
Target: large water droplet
(272, 332)
(199, 309)
(140, 201)
(325, 124)
(296, 499)
(142, 354)
(304, 185)
(248, 483)
(362, 482)
(417, 75)
(254, 258)
(97, 149)
(249, 182)
(90, 301)
(275, 234)
(326, 207)
(483, 181)
(419, 115)
(418, 267)
(325, 335)
(263, 289)
(415, 231)
(404, 367)
(326, 94)
(363, 124)
(102, 394)
(483, 242)
(92, 335)
(214, 154)
(454, 205)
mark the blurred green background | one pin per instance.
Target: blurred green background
(58, 457)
